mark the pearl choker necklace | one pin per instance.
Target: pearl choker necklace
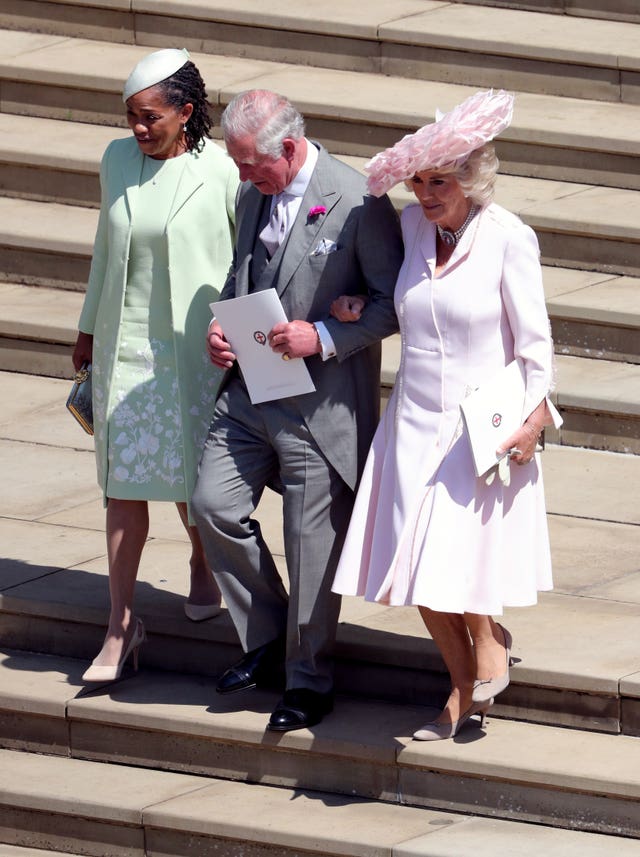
(451, 238)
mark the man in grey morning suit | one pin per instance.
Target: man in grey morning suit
(304, 226)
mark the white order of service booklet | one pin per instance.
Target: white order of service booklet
(246, 321)
(492, 413)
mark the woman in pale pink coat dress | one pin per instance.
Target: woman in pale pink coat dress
(469, 297)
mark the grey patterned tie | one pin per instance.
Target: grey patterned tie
(275, 231)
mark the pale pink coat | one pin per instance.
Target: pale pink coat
(425, 530)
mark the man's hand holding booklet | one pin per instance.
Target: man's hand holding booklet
(246, 322)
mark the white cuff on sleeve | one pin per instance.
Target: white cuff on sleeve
(326, 340)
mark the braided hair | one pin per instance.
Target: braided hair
(186, 86)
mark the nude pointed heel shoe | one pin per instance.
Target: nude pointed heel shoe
(438, 731)
(97, 672)
(484, 689)
(201, 612)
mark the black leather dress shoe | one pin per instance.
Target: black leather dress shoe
(298, 708)
(259, 666)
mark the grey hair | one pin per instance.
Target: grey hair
(265, 116)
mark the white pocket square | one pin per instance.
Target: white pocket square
(324, 247)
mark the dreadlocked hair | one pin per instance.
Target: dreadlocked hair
(186, 86)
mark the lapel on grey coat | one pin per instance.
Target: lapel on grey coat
(249, 213)
(305, 232)
(262, 267)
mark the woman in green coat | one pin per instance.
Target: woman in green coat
(162, 251)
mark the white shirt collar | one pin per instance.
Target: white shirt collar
(300, 183)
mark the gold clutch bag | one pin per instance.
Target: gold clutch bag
(80, 402)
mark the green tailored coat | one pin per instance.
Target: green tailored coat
(199, 243)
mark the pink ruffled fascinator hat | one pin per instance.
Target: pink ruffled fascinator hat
(448, 140)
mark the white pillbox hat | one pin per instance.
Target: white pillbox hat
(153, 68)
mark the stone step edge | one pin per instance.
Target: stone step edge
(617, 8)
(86, 162)
(347, 734)
(39, 326)
(25, 851)
(623, 397)
(577, 10)
(407, 672)
(620, 397)
(43, 216)
(193, 814)
(535, 133)
(149, 808)
(382, 31)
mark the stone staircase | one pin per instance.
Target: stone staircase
(558, 769)
(61, 81)
(158, 763)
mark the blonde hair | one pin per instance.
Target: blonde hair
(477, 175)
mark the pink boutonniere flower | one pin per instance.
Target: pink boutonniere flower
(316, 210)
